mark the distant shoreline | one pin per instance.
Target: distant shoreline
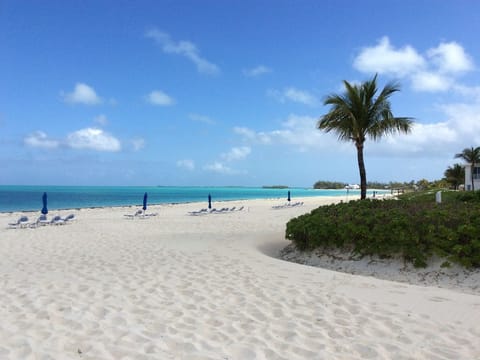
(29, 198)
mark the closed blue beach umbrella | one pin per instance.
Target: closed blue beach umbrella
(145, 196)
(44, 200)
(209, 201)
(288, 196)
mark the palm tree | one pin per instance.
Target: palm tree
(471, 156)
(356, 114)
(455, 175)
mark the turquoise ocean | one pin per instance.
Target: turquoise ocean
(29, 198)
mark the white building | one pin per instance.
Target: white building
(468, 177)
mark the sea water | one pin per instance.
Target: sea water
(29, 198)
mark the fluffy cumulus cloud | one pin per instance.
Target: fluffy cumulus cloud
(39, 139)
(257, 71)
(158, 97)
(186, 164)
(442, 139)
(93, 139)
(82, 94)
(430, 81)
(294, 95)
(296, 131)
(460, 125)
(450, 58)
(224, 166)
(384, 58)
(436, 70)
(88, 138)
(219, 167)
(253, 136)
(183, 48)
(237, 153)
(432, 140)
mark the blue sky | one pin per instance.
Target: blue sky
(228, 92)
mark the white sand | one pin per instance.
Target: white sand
(204, 287)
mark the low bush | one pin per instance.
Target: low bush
(407, 228)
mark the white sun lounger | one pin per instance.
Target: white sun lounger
(41, 221)
(21, 222)
(138, 213)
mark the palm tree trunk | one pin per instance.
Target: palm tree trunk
(361, 168)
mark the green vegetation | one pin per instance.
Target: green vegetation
(359, 113)
(455, 175)
(321, 184)
(275, 187)
(413, 227)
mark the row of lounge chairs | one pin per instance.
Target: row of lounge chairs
(139, 214)
(23, 221)
(215, 211)
(287, 205)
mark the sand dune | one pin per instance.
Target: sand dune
(175, 286)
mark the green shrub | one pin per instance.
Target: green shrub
(415, 230)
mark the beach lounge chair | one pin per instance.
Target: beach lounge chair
(69, 218)
(221, 211)
(21, 222)
(41, 221)
(199, 212)
(138, 213)
(57, 220)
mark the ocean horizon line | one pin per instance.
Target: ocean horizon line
(29, 197)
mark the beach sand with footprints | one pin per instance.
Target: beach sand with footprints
(176, 286)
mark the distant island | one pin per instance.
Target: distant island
(329, 185)
(275, 187)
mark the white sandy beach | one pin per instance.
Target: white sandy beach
(175, 286)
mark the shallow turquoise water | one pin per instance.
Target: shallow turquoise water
(29, 198)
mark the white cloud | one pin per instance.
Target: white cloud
(186, 164)
(201, 118)
(459, 128)
(39, 139)
(82, 94)
(237, 153)
(464, 119)
(383, 58)
(220, 168)
(257, 71)
(183, 48)
(425, 140)
(101, 119)
(450, 58)
(138, 143)
(430, 82)
(297, 131)
(295, 95)
(250, 135)
(436, 71)
(158, 97)
(94, 139)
